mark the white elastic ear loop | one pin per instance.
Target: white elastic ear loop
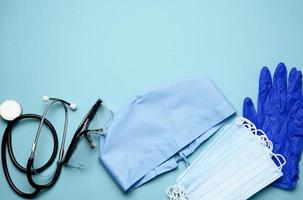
(264, 140)
(267, 142)
(248, 124)
(277, 157)
(176, 192)
(240, 120)
(253, 129)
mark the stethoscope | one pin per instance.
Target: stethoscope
(11, 110)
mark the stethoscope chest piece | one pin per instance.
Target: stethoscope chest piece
(10, 109)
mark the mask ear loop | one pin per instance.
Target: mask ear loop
(248, 124)
(176, 192)
(278, 158)
(257, 132)
(264, 140)
(267, 142)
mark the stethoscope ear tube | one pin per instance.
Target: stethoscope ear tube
(30, 163)
(10, 147)
(7, 145)
(29, 171)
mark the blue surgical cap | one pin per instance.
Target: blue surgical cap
(156, 129)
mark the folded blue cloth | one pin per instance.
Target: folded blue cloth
(156, 129)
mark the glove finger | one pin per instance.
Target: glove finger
(265, 87)
(280, 87)
(295, 86)
(295, 93)
(291, 77)
(249, 110)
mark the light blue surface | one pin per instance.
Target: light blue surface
(81, 50)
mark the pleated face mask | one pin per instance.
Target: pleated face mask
(236, 165)
(156, 129)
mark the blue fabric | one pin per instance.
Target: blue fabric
(171, 163)
(280, 116)
(144, 138)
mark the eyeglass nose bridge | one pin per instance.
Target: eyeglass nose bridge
(88, 135)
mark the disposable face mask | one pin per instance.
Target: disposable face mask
(236, 165)
(160, 127)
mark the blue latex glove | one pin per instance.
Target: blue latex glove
(280, 115)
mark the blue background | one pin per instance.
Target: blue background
(81, 50)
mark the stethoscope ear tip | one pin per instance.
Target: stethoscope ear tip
(45, 98)
(73, 106)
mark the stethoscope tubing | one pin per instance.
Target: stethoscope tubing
(30, 162)
(7, 145)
